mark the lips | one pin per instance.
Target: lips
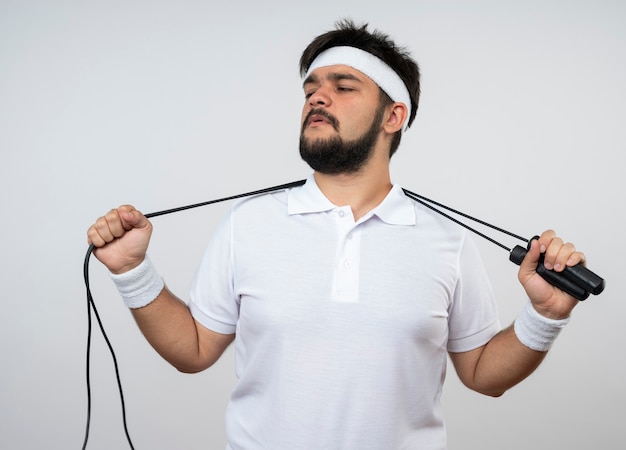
(318, 117)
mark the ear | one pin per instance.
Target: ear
(397, 115)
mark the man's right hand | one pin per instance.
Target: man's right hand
(120, 238)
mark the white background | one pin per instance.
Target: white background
(162, 104)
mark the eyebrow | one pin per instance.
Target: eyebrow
(334, 76)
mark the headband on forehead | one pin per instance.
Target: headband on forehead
(383, 75)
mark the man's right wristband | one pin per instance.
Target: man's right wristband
(139, 286)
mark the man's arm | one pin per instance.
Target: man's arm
(498, 366)
(120, 240)
(169, 327)
(505, 361)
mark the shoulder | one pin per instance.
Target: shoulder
(260, 203)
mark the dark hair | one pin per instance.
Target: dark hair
(346, 33)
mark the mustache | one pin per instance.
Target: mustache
(325, 114)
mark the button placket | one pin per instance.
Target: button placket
(346, 277)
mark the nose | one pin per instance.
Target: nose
(320, 97)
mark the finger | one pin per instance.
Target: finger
(565, 252)
(551, 252)
(93, 237)
(116, 223)
(545, 238)
(110, 226)
(550, 245)
(576, 258)
(99, 233)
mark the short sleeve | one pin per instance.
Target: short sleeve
(212, 299)
(473, 318)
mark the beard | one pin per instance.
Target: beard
(334, 155)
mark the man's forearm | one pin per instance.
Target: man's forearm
(504, 362)
(170, 328)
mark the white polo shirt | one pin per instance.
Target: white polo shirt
(342, 327)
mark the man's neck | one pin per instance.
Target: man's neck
(362, 191)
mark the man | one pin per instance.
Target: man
(344, 297)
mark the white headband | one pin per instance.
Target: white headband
(383, 75)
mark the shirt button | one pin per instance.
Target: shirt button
(341, 213)
(348, 264)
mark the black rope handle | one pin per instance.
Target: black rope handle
(578, 281)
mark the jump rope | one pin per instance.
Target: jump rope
(578, 281)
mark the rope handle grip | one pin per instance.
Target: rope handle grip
(577, 281)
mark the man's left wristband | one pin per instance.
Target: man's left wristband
(139, 286)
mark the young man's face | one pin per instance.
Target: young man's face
(341, 119)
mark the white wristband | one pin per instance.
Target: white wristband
(536, 331)
(139, 286)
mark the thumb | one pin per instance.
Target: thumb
(528, 267)
(132, 218)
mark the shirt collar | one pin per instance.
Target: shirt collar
(395, 209)
(308, 199)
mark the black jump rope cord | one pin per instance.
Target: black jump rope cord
(571, 282)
